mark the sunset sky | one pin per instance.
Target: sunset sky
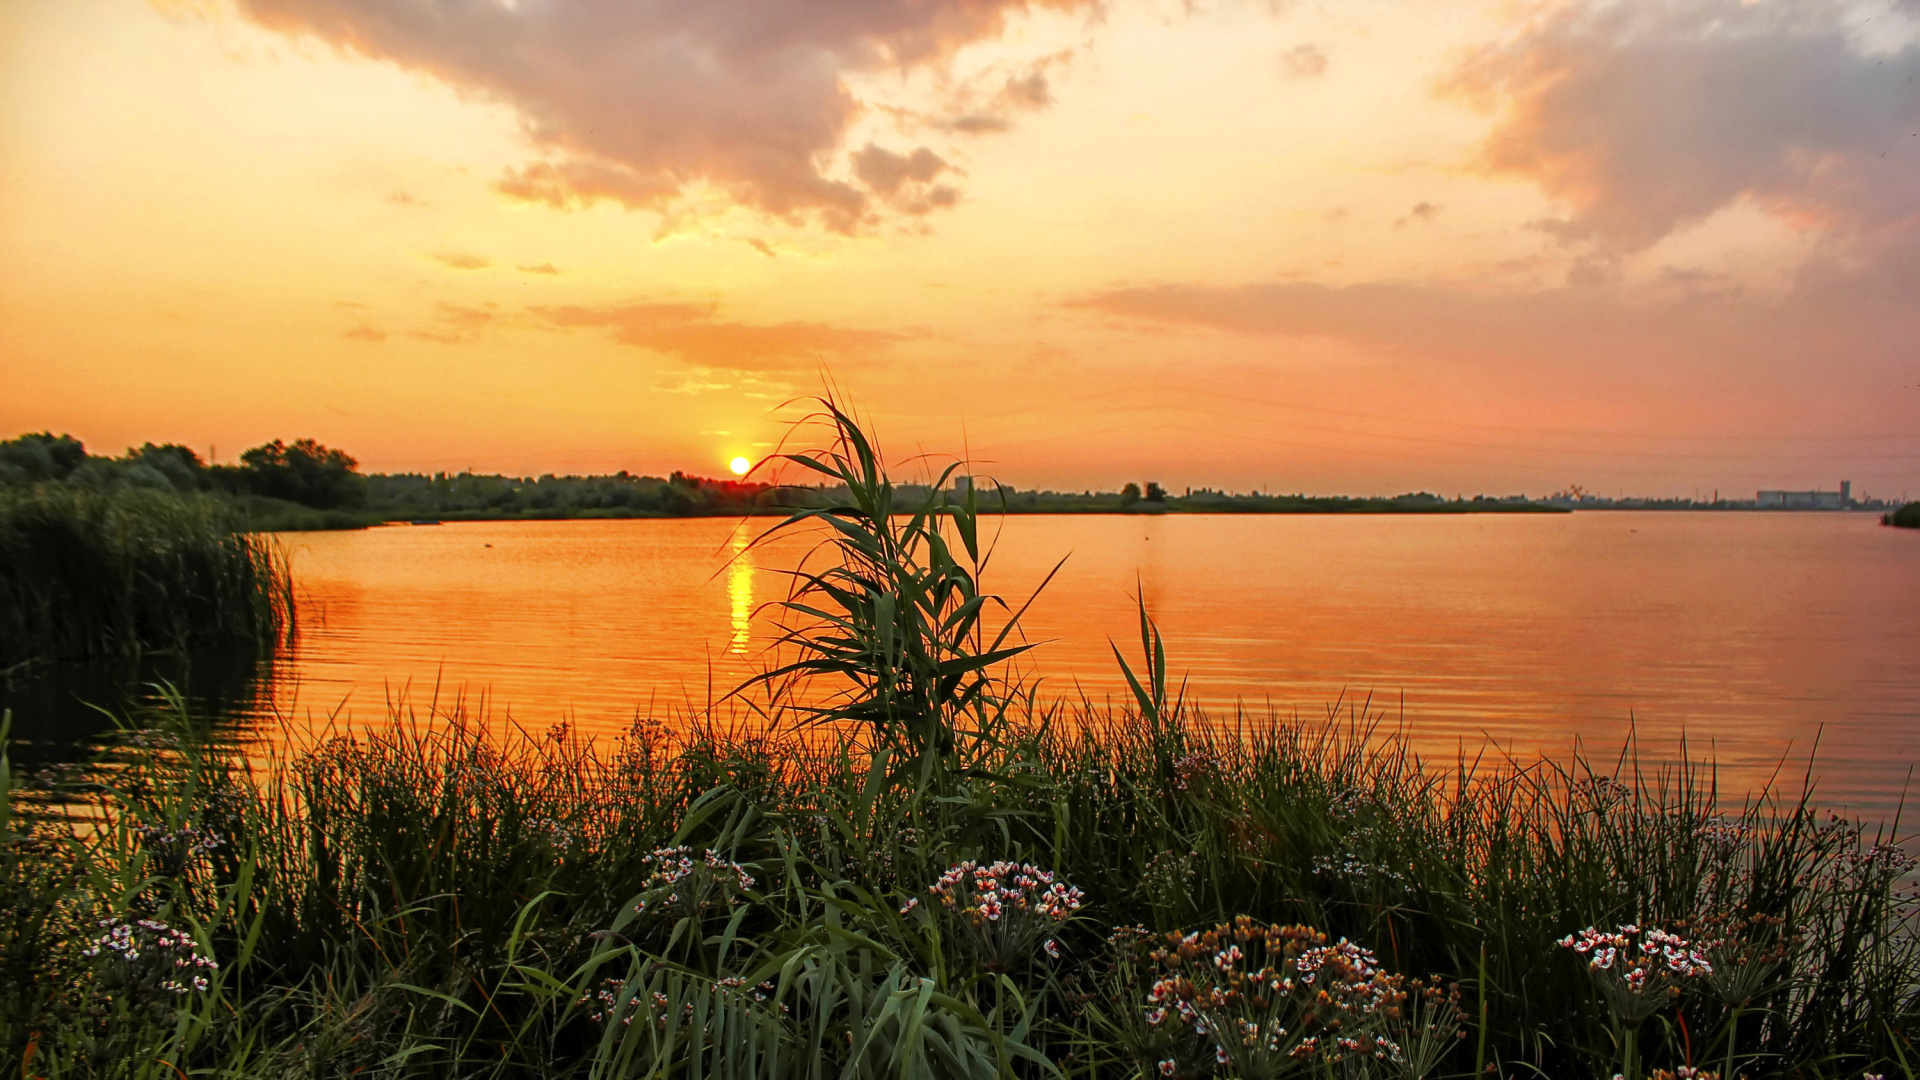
(1357, 247)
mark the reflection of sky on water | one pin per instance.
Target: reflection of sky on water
(1751, 635)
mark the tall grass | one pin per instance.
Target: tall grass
(427, 899)
(123, 571)
(696, 900)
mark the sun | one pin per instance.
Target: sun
(739, 466)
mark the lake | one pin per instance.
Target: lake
(1756, 636)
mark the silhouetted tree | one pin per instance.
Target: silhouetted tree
(1155, 493)
(1130, 494)
(179, 464)
(305, 472)
(43, 456)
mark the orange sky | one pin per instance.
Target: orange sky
(1661, 247)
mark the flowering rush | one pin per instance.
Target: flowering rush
(680, 880)
(1276, 1000)
(1638, 969)
(1005, 909)
(152, 953)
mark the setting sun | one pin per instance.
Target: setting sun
(739, 466)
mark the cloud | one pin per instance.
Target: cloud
(460, 324)
(987, 103)
(1644, 119)
(364, 332)
(905, 181)
(1303, 62)
(1423, 212)
(540, 268)
(1683, 328)
(696, 334)
(885, 171)
(460, 260)
(635, 102)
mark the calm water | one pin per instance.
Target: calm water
(1755, 635)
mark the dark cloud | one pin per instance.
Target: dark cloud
(1303, 62)
(696, 334)
(633, 101)
(905, 181)
(885, 171)
(1645, 118)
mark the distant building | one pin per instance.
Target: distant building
(962, 485)
(1807, 500)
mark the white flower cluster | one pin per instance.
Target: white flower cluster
(1723, 834)
(1638, 969)
(680, 880)
(1269, 996)
(170, 955)
(990, 892)
(603, 1004)
(1355, 869)
(1005, 908)
(187, 839)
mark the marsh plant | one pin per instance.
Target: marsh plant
(714, 896)
(120, 572)
(1277, 1001)
(1006, 912)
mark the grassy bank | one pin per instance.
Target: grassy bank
(123, 571)
(428, 901)
(927, 873)
(1907, 517)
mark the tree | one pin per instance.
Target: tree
(1130, 494)
(179, 464)
(305, 472)
(1155, 493)
(41, 456)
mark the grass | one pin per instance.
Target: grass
(435, 898)
(125, 571)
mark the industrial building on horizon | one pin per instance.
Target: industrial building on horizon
(1807, 500)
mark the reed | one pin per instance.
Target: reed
(428, 899)
(122, 571)
(928, 872)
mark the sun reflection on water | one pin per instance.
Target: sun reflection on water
(740, 590)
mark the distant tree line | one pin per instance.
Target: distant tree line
(303, 472)
(305, 484)
(473, 495)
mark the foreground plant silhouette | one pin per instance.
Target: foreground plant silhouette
(697, 900)
(895, 620)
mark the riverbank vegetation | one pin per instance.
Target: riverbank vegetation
(1907, 517)
(305, 485)
(119, 571)
(884, 858)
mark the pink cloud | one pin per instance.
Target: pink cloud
(1645, 118)
(632, 102)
